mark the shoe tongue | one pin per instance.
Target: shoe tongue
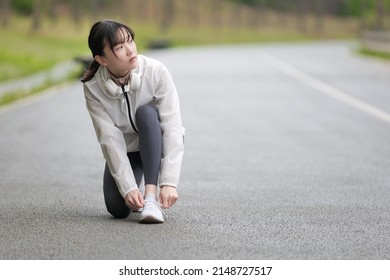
(150, 197)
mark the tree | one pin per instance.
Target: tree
(379, 15)
(37, 15)
(5, 12)
(168, 13)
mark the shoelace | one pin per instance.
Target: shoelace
(157, 204)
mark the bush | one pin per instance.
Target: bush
(24, 7)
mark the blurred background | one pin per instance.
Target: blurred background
(37, 35)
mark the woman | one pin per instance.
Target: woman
(134, 107)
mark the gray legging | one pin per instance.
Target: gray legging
(145, 162)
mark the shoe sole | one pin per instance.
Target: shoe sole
(150, 220)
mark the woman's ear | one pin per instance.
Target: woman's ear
(101, 60)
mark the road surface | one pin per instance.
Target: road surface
(287, 157)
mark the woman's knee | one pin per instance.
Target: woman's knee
(115, 203)
(118, 212)
(146, 114)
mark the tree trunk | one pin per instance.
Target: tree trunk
(301, 15)
(319, 14)
(5, 12)
(168, 13)
(37, 14)
(379, 15)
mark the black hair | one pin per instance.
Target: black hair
(102, 33)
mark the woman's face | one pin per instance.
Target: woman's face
(122, 58)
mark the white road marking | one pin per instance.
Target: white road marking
(325, 88)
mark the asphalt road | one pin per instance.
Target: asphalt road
(287, 157)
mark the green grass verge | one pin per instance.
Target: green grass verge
(371, 53)
(25, 52)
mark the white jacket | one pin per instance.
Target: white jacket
(109, 114)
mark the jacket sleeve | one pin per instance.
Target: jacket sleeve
(167, 102)
(112, 143)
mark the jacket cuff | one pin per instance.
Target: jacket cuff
(168, 184)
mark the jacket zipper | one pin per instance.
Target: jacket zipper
(128, 109)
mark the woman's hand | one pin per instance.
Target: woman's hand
(168, 196)
(134, 200)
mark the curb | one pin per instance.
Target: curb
(55, 74)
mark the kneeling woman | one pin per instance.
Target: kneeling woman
(134, 107)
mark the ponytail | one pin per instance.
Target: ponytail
(90, 72)
(103, 33)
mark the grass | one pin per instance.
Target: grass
(371, 53)
(27, 52)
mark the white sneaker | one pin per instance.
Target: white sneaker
(151, 213)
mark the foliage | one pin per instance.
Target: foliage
(24, 7)
(337, 7)
(64, 26)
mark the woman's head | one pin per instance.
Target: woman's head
(107, 33)
(103, 41)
